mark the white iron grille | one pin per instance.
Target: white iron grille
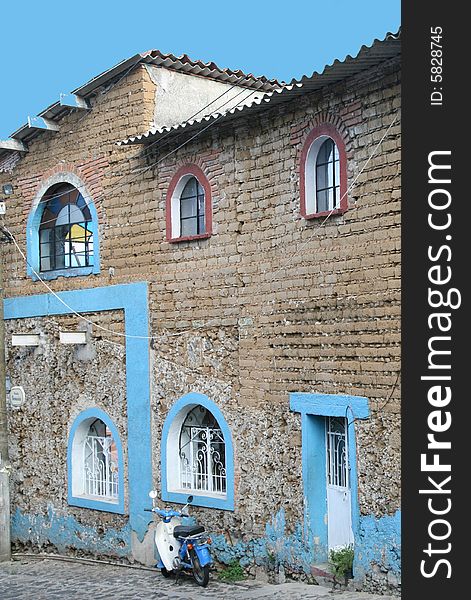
(202, 460)
(101, 467)
(337, 457)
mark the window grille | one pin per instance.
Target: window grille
(337, 457)
(192, 209)
(100, 462)
(202, 453)
(327, 177)
(65, 233)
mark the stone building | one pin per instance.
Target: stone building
(203, 295)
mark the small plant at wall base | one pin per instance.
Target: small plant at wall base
(341, 561)
(232, 572)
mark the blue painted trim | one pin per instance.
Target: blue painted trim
(132, 298)
(41, 123)
(65, 532)
(379, 543)
(313, 409)
(32, 246)
(108, 506)
(329, 405)
(73, 101)
(184, 404)
(315, 485)
(73, 272)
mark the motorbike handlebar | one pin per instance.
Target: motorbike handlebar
(166, 513)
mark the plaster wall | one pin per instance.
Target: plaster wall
(180, 97)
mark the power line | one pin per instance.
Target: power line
(100, 327)
(8, 233)
(158, 141)
(337, 206)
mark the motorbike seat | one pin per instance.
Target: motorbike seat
(187, 530)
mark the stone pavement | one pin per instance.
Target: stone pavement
(38, 579)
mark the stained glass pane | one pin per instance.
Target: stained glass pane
(68, 219)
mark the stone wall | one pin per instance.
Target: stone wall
(270, 304)
(61, 381)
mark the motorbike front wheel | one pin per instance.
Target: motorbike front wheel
(201, 574)
(165, 573)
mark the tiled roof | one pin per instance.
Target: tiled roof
(368, 56)
(265, 91)
(182, 64)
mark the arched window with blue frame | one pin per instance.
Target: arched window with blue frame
(95, 463)
(197, 454)
(63, 233)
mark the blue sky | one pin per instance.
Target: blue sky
(51, 46)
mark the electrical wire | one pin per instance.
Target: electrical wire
(151, 338)
(339, 203)
(9, 233)
(117, 184)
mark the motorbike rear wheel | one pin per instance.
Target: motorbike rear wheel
(200, 573)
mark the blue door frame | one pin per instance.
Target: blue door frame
(313, 409)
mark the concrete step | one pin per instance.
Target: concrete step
(322, 570)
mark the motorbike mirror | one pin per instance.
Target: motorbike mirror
(190, 499)
(153, 494)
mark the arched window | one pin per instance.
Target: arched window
(100, 462)
(327, 176)
(189, 214)
(65, 231)
(62, 227)
(192, 209)
(202, 453)
(197, 454)
(323, 173)
(95, 463)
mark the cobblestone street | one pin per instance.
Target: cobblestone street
(48, 579)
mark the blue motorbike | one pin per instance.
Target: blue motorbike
(181, 547)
